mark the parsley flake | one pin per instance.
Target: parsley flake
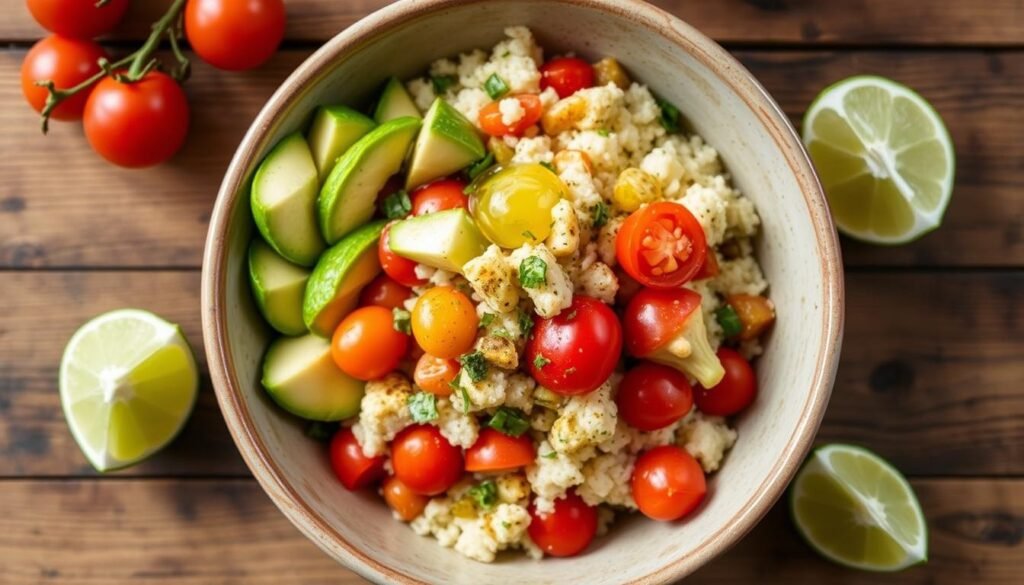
(423, 407)
(529, 235)
(466, 402)
(495, 86)
(603, 133)
(475, 365)
(510, 421)
(533, 272)
(487, 319)
(484, 494)
(525, 324)
(550, 455)
(502, 332)
(669, 115)
(547, 165)
(397, 205)
(477, 168)
(729, 320)
(441, 83)
(600, 213)
(401, 320)
(540, 361)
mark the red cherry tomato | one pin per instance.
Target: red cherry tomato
(353, 468)
(709, 269)
(366, 345)
(425, 461)
(567, 530)
(406, 503)
(667, 483)
(567, 75)
(439, 196)
(654, 316)
(384, 291)
(736, 390)
(661, 245)
(234, 34)
(496, 451)
(575, 351)
(81, 19)
(490, 116)
(401, 269)
(652, 396)
(65, 61)
(137, 124)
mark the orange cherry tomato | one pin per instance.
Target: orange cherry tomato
(567, 75)
(366, 345)
(397, 267)
(386, 292)
(444, 322)
(439, 196)
(425, 461)
(80, 19)
(490, 116)
(405, 502)
(567, 530)
(496, 451)
(354, 469)
(434, 374)
(66, 62)
(661, 245)
(667, 483)
(234, 35)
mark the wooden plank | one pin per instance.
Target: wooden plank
(58, 200)
(931, 364)
(866, 22)
(228, 532)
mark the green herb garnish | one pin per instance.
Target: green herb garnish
(487, 319)
(550, 455)
(529, 235)
(729, 320)
(466, 402)
(401, 320)
(475, 365)
(423, 407)
(484, 494)
(525, 324)
(510, 421)
(547, 166)
(441, 83)
(495, 86)
(502, 332)
(603, 133)
(397, 205)
(669, 115)
(600, 211)
(533, 272)
(477, 168)
(540, 361)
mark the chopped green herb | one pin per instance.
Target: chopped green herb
(604, 133)
(669, 115)
(487, 319)
(466, 402)
(600, 211)
(540, 361)
(547, 165)
(533, 272)
(470, 188)
(495, 86)
(506, 54)
(510, 421)
(529, 235)
(550, 455)
(441, 83)
(401, 320)
(502, 332)
(484, 494)
(423, 407)
(475, 365)
(321, 431)
(729, 320)
(525, 324)
(506, 525)
(477, 168)
(397, 205)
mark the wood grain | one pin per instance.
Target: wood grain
(227, 532)
(63, 217)
(902, 22)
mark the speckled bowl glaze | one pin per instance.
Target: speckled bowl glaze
(798, 250)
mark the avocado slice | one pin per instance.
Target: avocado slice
(445, 239)
(349, 196)
(283, 199)
(395, 102)
(343, 270)
(278, 287)
(448, 143)
(300, 375)
(334, 130)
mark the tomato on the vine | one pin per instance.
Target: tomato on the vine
(566, 75)
(366, 345)
(490, 116)
(235, 34)
(652, 396)
(354, 469)
(65, 61)
(397, 267)
(425, 461)
(736, 390)
(565, 531)
(137, 124)
(667, 483)
(661, 245)
(385, 291)
(575, 351)
(439, 196)
(496, 451)
(81, 19)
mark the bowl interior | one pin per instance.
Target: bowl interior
(797, 251)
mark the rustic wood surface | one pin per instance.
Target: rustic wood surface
(931, 373)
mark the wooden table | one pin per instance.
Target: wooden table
(932, 375)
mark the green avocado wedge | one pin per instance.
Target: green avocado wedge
(448, 143)
(349, 195)
(444, 239)
(283, 198)
(300, 375)
(394, 102)
(343, 270)
(278, 287)
(334, 130)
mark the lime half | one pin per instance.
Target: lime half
(128, 382)
(857, 510)
(884, 157)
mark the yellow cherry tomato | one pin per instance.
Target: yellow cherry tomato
(512, 205)
(444, 322)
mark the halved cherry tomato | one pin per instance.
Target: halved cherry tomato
(709, 268)
(405, 502)
(234, 35)
(566, 75)
(386, 292)
(401, 269)
(736, 390)
(366, 345)
(575, 351)
(66, 62)
(439, 196)
(425, 461)
(652, 396)
(444, 322)
(661, 245)
(667, 483)
(434, 374)
(490, 116)
(77, 18)
(496, 451)
(353, 468)
(567, 530)
(655, 316)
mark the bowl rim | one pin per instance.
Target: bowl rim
(732, 73)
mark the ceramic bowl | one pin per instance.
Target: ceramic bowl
(798, 251)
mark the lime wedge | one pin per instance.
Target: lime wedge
(884, 157)
(128, 381)
(857, 510)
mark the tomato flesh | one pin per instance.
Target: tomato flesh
(66, 62)
(491, 122)
(661, 245)
(425, 461)
(405, 502)
(385, 291)
(402, 270)
(354, 469)
(439, 196)
(235, 35)
(496, 451)
(735, 392)
(366, 345)
(575, 351)
(652, 396)
(567, 530)
(566, 75)
(655, 316)
(667, 483)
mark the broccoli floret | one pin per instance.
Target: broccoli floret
(690, 352)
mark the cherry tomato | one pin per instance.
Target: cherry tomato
(405, 502)
(661, 245)
(655, 316)
(425, 461)
(384, 291)
(439, 196)
(567, 75)
(736, 390)
(434, 374)
(401, 269)
(366, 345)
(490, 116)
(234, 34)
(444, 322)
(65, 61)
(567, 530)
(138, 124)
(667, 483)
(353, 468)
(81, 19)
(512, 205)
(652, 396)
(709, 269)
(496, 451)
(575, 351)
